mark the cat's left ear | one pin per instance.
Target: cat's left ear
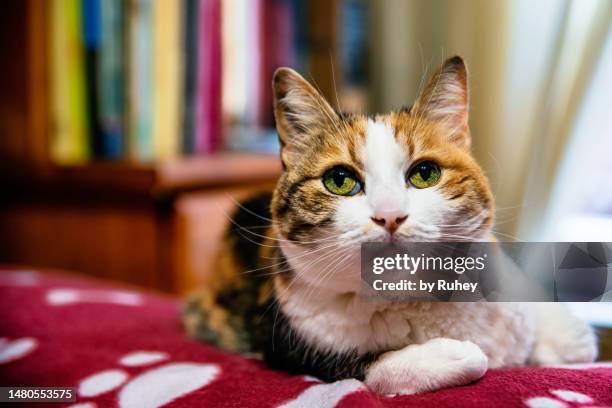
(445, 100)
(300, 111)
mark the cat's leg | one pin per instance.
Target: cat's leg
(562, 337)
(206, 320)
(438, 363)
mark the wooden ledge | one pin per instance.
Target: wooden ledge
(123, 180)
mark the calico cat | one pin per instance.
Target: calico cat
(287, 280)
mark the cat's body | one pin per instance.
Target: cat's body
(287, 281)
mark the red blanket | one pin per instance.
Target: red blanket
(126, 348)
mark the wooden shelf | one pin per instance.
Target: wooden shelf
(122, 180)
(224, 169)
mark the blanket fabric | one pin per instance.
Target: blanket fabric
(126, 348)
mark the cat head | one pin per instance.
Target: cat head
(401, 176)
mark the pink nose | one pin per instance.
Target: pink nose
(390, 219)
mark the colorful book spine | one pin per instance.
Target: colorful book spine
(167, 64)
(208, 110)
(234, 56)
(140, 80)
(354, 42)
(276, 50)
(300, 22)
(68, 102)
(254, 67)
(92, 35)
(111, 84)
(190, 69)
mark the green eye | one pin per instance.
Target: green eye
(341, 181)
(424, 174)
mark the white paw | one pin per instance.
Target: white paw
(439, 363)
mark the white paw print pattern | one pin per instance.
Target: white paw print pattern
(324, 395)
(16, 349)
(562, 399)
(68, 296)
(152, 388)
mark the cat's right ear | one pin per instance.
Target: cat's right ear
(299, 111)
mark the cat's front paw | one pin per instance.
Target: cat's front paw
(439, 363)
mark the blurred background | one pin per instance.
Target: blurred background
(128, 129)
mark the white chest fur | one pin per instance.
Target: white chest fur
(342, 322)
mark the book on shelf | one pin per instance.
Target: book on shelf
(111, 80)
(353, 52)
(167, 74)
(68, 102)
(139, 71)
(92, 36)
(207, 135)
(190, 33)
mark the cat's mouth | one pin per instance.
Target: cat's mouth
(391, 238)
(407, 233)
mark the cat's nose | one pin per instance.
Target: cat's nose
(390, 219)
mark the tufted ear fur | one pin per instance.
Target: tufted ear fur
(445, 100)
(300, 111)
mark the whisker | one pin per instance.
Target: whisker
(241, 206)
(246, 229)
(288, 260)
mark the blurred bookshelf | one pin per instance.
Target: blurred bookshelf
(129, 128)
(143, 81)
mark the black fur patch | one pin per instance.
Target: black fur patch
(246, 231)
(286, 350)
